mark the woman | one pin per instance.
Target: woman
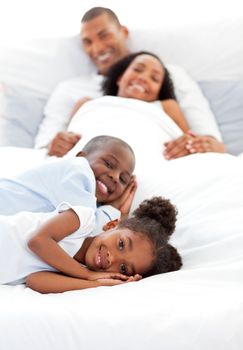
(143, 76)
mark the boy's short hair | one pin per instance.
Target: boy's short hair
(101, 140)
(98, 11)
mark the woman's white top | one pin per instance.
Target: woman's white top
(17, 261)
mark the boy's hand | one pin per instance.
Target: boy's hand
(124, 202)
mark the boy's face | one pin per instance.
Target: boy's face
(104, 41)
(120, 250)
(142, 79)
(112, 166)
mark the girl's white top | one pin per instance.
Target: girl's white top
(17, 261)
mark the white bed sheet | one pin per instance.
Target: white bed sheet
(199, 307)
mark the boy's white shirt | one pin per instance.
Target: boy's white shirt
(16, 230)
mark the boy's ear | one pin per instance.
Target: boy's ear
(81, 154)
(111, 224)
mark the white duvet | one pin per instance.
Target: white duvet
(197, 308)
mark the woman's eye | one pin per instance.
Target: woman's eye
(121, 244)
(123, 269)
(138, 70)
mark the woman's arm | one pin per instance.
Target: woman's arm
(52, 282)
(44, 243)
(79, 104)
(172, 108)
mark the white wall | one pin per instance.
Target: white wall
(23, 19)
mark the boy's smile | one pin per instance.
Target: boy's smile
(112, 166)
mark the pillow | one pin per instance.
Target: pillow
(21, 111)
(226, 100)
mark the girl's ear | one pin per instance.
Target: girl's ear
(111, 224)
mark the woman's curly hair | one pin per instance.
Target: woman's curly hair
(110, 87)
(156, 219)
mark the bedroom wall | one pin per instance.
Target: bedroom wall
(27, 18)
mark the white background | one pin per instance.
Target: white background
(24, 19)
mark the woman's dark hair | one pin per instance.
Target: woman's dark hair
(110, 87)
(155, 219)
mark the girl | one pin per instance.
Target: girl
(62, 242)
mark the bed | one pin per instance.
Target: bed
(198, 307)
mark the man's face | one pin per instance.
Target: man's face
(112, 166)
(104, 41)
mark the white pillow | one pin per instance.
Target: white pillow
(21, 111)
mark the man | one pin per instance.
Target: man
(104, 40)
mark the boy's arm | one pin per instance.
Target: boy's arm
(44, 243)
(52, 282)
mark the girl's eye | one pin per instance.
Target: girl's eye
(123, 269)
(121, 244)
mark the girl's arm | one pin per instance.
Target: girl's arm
(52, 282)
(172, 108)
(44, 243)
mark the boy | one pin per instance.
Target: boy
(102, 172)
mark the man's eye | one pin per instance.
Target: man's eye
(121, 244)
(123, 269)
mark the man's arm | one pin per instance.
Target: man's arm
(56, 115)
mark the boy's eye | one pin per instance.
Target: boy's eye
(108, 164)
(121, 244)
(123, 269)
(123, 180)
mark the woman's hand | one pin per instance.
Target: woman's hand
(124, 202)
(202, 144)
(177, 148)
(190, 143)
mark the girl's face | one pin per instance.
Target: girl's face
(120, 250)
(142, 79)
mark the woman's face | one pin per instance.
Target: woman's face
(142, 79)
(120, 250)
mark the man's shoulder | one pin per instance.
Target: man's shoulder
(80, 80)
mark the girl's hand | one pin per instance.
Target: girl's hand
(114, 282)
(124, 202)
(94, 276)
